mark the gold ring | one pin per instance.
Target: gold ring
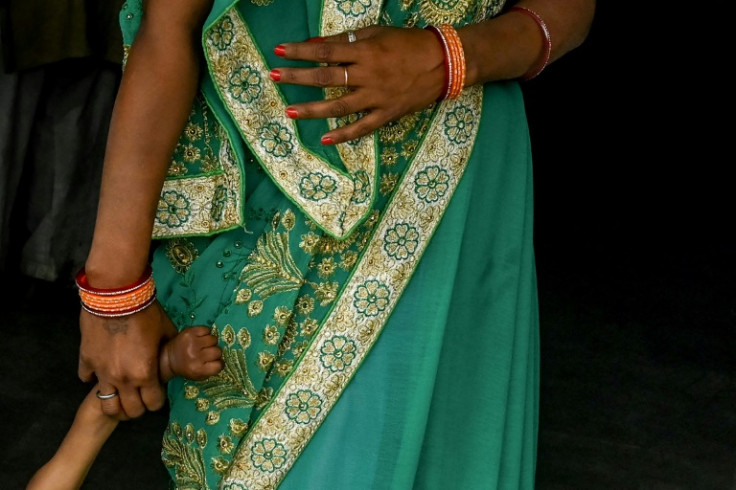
(345, 68)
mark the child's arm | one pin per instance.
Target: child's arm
(193, 354)
(67, 469)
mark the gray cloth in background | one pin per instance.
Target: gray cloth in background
(53, 130)
(39, 32)
(61, 65)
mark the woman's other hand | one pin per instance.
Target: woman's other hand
(390, 72)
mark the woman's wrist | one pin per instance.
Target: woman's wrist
(502, 48)
(110, 266)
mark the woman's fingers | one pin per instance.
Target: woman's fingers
(345, 37)
(153, 397)
(340, 107)
(363, 126)
(320, 52)
(389, 72)
(131, 401)
(351, 103)
(321, 76)
(110, 401)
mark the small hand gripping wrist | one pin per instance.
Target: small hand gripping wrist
(112, 303)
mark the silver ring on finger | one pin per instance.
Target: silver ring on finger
(108, 396)
(352, 37)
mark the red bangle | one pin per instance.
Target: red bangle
(448, 68)
(546, 40)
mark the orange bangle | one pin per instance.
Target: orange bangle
(458, 60)
(455, 67)
(110, 303)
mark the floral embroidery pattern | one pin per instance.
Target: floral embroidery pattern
(371, 298)
(173, 209)
(356, 317)
(431, 184)
(219, 202)
(182, 451)
(268, 455)
(362, 190)
(271, 268)
(234, 486)
(459, 125)
(303, 406)
(225, 444)
(316, 186)
(276, 140)
(245, 84)
(231, 387)
(221, 35)
(205, 196)
(401, 241)
(337, 353)
(353, 7)
(191, 153)
(181, 253)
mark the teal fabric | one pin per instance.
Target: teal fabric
(448, 398)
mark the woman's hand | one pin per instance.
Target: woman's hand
(122, 353)
(391, 72)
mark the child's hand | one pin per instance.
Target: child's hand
(193, 354)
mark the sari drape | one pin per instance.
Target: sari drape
(375, 301)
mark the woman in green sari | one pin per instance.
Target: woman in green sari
(359, 243)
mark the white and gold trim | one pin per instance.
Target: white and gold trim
(336, 201)
(201, 205)
(278, 437)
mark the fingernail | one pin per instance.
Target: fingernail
(291, 112)
(279, 50)
(275, 75)
(317, 39)
(327, 140)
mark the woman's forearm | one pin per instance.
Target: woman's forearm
(153, 103)
(508, 46)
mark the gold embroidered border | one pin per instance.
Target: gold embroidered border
(331, 198)
(339, 16)
(186, 205)
(281, 433)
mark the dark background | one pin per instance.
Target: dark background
(635, 258)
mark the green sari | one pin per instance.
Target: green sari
(349, 362)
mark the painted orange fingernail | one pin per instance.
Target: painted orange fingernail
(275, 75)
(279, 50)
(317, 39)
(327, 140)
(291, 112)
